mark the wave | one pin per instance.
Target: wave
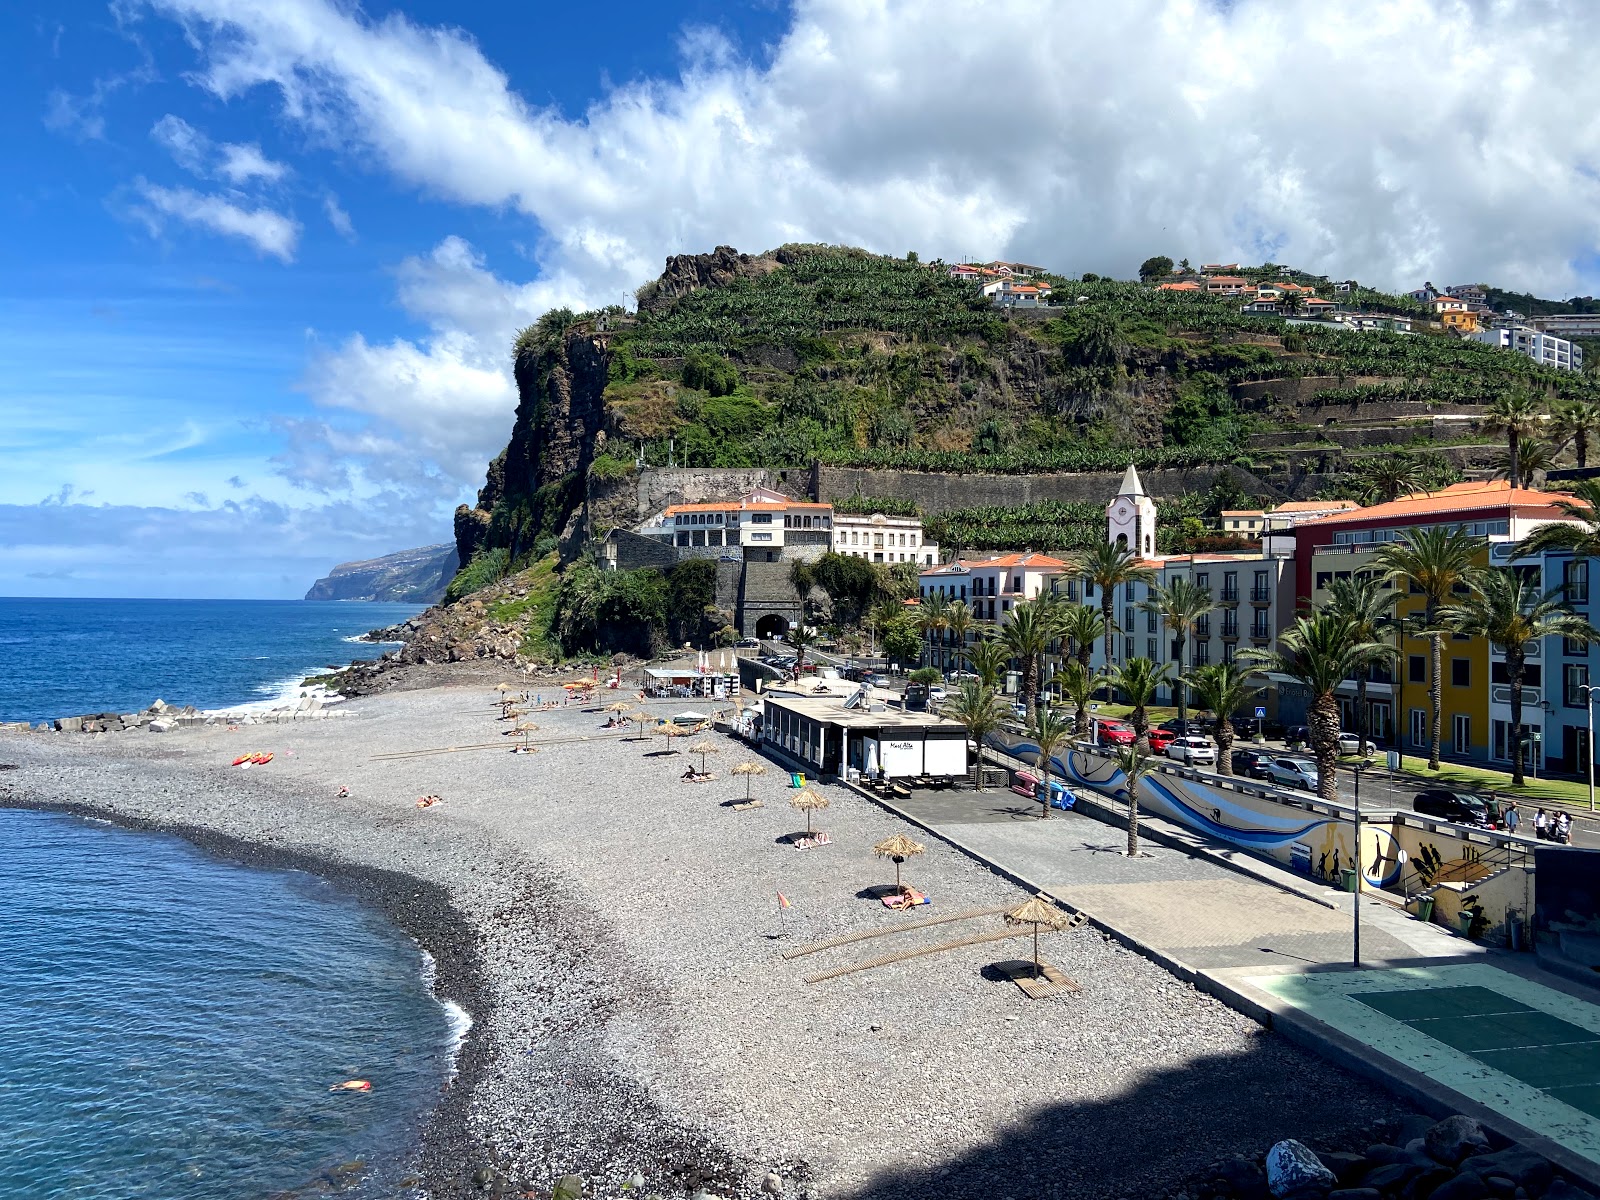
(282, 693)
(460, 1020)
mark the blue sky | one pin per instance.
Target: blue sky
(261, 261)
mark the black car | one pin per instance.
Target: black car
(1186, 728)
(1250, 764)
(1464, 808)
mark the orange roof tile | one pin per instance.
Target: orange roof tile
(743, 506)
(1243, 512)
(1473, 496)
(1295, 506)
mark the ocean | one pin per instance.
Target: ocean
(64, 658)
(173, 1023)
(170, 1022)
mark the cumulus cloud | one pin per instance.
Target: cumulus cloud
(269, 231)
(337, 217)
(1378, 139)
(237, 162)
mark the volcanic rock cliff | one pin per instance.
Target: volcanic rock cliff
(415, 576)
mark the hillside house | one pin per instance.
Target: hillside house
(1454, 314)
(1228, 285)
(1245, 522)
(1007, 293)
(883, 539)
(1371, 322)
(762, 525)
(1015, 270)
(1546, 349)
(1186, 285)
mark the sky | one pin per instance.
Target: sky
(262, 261)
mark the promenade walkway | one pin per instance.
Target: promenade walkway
(1458, 1026)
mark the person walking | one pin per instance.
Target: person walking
(1541, 825)
(1563, 829)
(1512, 817)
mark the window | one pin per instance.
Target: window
(1202, 627)
(1262, 590)
(1259, 628)
(1227, 651)
(1202, 654)
(1230, 585)
(1177, 649)
(1324, 578)
(1127, 620)
(1150, 621)
(761, 518)
(1203, 580)
(1574, 647)
(1416, 669)
(1150, 650)
(760, 537)
(1532, 674)
(1574, 684)
(1575, 581)
(1460, 672)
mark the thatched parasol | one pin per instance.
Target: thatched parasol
(808, 802)
(671, 730)
(703, 749)
(525, 728)
(618, 706)
(897, 848)
(505, 699)
(749, 770)
(1037, 912)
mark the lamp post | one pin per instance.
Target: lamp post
(1356, 771)
(1588, 691)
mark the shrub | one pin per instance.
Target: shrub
(709, 373)
(486, 567)
(927, 675)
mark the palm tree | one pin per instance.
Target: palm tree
(1579, 529)
(1026, 636)
(1533, 459)
(1435, 560)
(1180, 604)
(1224, 689)
(933, 615)
(977, 706)
(987, 658)
(1135, 763)
(1292, 302)
(1503, 607)
(958, 621)
(1577, 421)
(1047, 729)
(1319, 652)
(1082, 625)
(1517, 415)
(1369, 607)
(1109, 565)
(879, 618)
(798, 639)
(1138, 680)
(1384, 478)
(1078, 684)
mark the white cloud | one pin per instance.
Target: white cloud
(237, 162)
(270, 232)
(242, 162)
(1384, 140)
(188, 146)
(337, 217)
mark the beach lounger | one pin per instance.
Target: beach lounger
(747, 805)
(901, 791)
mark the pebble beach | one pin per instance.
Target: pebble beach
(615, 936)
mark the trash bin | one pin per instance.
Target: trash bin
(1425, 908)
(1349, 881)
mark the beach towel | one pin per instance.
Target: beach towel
(909, 898)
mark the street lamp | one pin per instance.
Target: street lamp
(1588, 691)
(1356, 770)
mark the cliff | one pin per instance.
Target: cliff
(415, 576)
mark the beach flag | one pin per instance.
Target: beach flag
(783, 901)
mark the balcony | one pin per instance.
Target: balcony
(1260, 633)
(1230, 633)
(1260, 595)
(1229, 596)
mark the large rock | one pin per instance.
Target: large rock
(1462, 1187)
(1523, 1167)
(1454, 1139)
(1294, 1170)
(415, 576)
(1242, 1178)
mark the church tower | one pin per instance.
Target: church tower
(1131, 517)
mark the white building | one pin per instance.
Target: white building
(1131, 516)
(1007, 293)
(762, 525)
(1546, 349)
(881, 538)
(1569, 324)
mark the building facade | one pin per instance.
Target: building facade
(881, 538)
(1546, 349)
(761, 526)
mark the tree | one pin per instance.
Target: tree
(853, 585)
(1369, 607)
(902, 640)
(1078, 684)
(799, 640)
(1578, 531)
(1291, 302)
(1319, 652)
(1577, 422)
(1138, 680)
(1155, 267)
(987, 658)
(1224, 689)
(1183, 265)
(958, 622)
(1180, 604)
(803, 577)
(1533, 459)
(1508, 610)
(1135, 763)
(1109, 565)
(1384, 478)
(1048, 730)
(1081, 626)
(977, 707)
(1517, 415)
(933, 614)
(1026, 636)
(881, 616)
(1435, 561)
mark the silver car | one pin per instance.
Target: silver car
(1193, 751)
(1293, 773)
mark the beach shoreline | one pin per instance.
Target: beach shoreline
(609, 930)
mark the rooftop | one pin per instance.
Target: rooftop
(831, 709)
(1473, 496)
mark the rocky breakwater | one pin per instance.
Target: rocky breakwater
(1453, 1159)
(311, 705)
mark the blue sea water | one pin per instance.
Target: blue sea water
(171, 1023)
(63, 658)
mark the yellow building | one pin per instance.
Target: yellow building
(1454, 314)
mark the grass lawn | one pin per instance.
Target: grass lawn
(1156, 713)
(1481, 779)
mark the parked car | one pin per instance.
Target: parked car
(1160, 739)
(1193, 751)
(1248, 727)
(1354, 743)
(1250, 764)
(1297, 735)
(1293, 773)
(1114, 733)
(936, 692)
(962, 676)
(1464, 808)
(1185, 727)
(1019, 710)
(879, 681)
(748, 643)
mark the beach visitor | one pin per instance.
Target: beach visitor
(1513, 818)
(1563, 830)
(1541, 825)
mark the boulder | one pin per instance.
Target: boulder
(70, 724)
(1523, 1167)
(1454, 1139)
(1345, 1165)
(158, 705)
(1242, 1178)
(1392, 1177)
(163, 725)
(1356, 1194)
(1427, 1181)
(1562, 1190)
(1462, 1187)
(1382, 1154)
(1293, 1170)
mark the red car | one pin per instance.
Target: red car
(1114, 733)
(1160, 739)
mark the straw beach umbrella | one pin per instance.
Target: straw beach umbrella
(524, 728)
(702, 749)
(1037, 912)
(808, 802)
(897, 848)
(749, 770)
(672, 730)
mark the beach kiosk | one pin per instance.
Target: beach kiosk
(833, 736)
